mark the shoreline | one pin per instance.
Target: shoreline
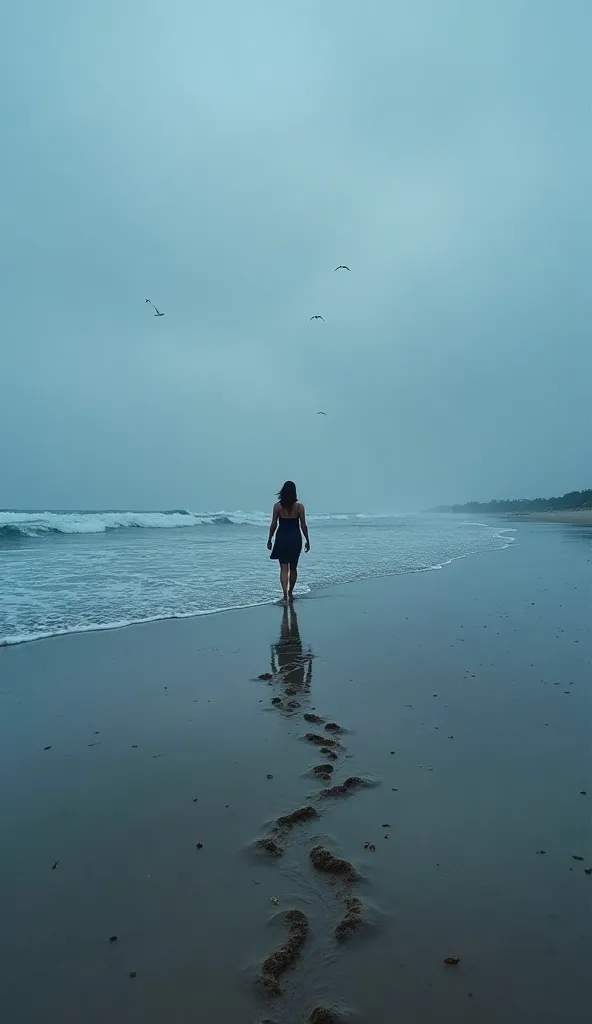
(310, 593)
(141, 767)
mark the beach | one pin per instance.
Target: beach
(140, 768)
(576, 517)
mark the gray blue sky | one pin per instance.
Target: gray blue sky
(221, 159)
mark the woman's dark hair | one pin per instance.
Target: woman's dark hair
(287, 495)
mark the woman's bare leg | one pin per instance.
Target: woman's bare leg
(293, 578)
(284, 574)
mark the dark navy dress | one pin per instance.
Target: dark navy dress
(288, 541)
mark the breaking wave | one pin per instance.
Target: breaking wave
(14, 525)
(41, 524)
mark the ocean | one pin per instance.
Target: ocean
(65, 572)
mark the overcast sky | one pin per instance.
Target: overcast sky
(221, 159)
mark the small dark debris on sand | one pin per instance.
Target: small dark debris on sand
(276, 701)
(284, 957)
(576, 856)
(583, 792)
(323, 1015)
(269, 776)
(588, 871)
(351, 920)
(541, 853)
(47, 748)
(270, 846)
(133, 974)
(199, 846)
(323, 860)
(113, 938)
(194, 800)
(296, 817)
(321, 741)
(451, 961)
(370, 846)
(323, 769)
(313, 719)
(333, 727)
(265, 676)
(54, 865)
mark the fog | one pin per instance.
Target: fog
(221, 160)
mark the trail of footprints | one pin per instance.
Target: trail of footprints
(340, 872)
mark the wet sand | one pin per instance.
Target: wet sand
(579, 517)
(465, 701)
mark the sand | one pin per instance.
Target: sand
(579, 517)
(465, 700)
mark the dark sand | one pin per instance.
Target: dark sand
(467, 697)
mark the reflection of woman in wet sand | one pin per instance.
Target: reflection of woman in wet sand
(288, 659)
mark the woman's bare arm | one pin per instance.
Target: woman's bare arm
(273, 526)
(304, 526)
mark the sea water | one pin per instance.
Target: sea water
(63, 572)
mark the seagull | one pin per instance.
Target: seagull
(321, 414)
(156, 311)
(318, 316)
(342, 266)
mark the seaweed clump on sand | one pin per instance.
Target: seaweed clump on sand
(351, 920)
(323, 1015)
(324, 860)
(329, 753)
(354, 782)
(296, 817)
(276, 963)
(323, 769)
(321, 741)
(270, 846)
(333, 727)
(313, 719)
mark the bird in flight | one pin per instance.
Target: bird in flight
(156, 311)
(321, 414)
(318, 316)
(342, 266)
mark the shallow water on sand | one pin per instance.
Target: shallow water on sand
(466, 698)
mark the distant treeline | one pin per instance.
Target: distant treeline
(571, 501)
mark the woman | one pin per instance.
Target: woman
(288, 518)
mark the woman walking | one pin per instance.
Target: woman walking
(289, 519)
